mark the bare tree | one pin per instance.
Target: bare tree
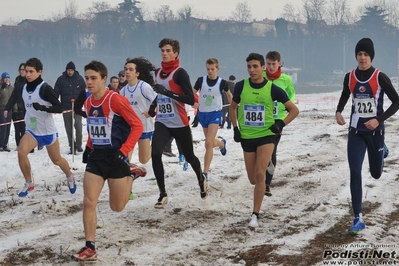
(338, 11)
(242, 15)
(97, 7)
(164, 14)
(314, 9)
(71, 9)
(290, 13)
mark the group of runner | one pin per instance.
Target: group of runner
(260, 107)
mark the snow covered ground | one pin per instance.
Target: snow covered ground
(308, 213)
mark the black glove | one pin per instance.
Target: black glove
(277, 127)
(158, 88)
(39, 107)
(195, 121)
(237, 134)
(86, 154)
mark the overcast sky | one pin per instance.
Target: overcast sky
(43, 9)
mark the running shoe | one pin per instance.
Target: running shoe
(253, 223)
(136, 171)
(131, 196)
(268, 192)
(72, 185)
(185, 166)
(223, 150)
(169, 154)
(205, 176)
(357, 226)
(386, 151)
(162, 200)
(204, 189)
(182, 159)
(85, 254)
(28, 187)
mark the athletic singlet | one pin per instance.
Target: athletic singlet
(367, 101)
(171, 113)
(107, 130)
(210, 98)
(284, 82)
(140, 97)
(41, 123)
(255, 112)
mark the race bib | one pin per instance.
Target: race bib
(254, 115)
(99, 131)
(165, 108)
(365, 108)
(275, 109)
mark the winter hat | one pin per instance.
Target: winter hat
(365, 45)
(70, 65)
(232, 77)
(5, 75)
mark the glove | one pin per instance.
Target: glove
(158, 88)
(237, 134)
(277, 127)
(39, 107)
(86, 154)
(195, 121)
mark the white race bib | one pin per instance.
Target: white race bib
(165, 108)
(365, 108)
(99, 131)
(254, 115)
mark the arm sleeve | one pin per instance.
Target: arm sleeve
(197, 85)
(290, 89)
(237, 91)
(121, 106)
(344, 95)
(182, 79)
(223, 86)
(386, 85)
(57, 88)
(278, 94)
(48, 94)
(80, 100)
(12, 100)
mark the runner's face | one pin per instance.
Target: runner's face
(167, 53)
(272, 65)
(212, 71)
(363, 60)
(114, 83)
(130, 72)
(31, 73)
(255, 71)
(94, 82)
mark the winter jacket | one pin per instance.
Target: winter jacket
(5, 93)
(68, 88)
(19, 113)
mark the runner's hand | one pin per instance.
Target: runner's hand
(237, 134)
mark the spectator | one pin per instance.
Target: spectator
(5, 121)
(68, 86)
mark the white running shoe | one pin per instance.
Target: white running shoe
(161, 202)
(253, 223)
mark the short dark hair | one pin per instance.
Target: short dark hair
(113, 77)
(273, 55)
(174, 43)
(20, 65)
(256, 56)
(35, 63)
(98, 67)
(144, 67)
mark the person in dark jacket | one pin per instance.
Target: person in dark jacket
(5, 121)
(19, 114)
(68, 86)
